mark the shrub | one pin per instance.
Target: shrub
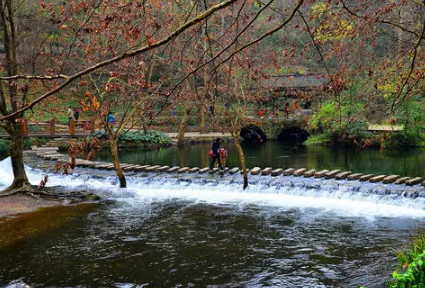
(4, 148)
(412, 275)
(138, 137)
(411, 262)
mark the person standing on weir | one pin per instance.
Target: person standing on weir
(215, 154)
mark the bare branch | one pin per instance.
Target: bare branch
(412, 67)
(34, 77)
(222, 50)
(268, 33)
(404, 29)
(125, 55)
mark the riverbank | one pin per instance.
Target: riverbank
(17, 204)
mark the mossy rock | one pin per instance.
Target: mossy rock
(92, 197)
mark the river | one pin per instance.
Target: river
(168, 233)
(279, 155)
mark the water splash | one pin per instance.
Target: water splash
(327, 196)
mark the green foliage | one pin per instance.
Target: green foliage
(413, 134)
(34, 142)
(4, 148)
(335, 124)
(417, 247)
(4, 145)
(411, 270)
(138, 137)
(412, 275)
(150, 136)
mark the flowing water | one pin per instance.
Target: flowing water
(163, 232)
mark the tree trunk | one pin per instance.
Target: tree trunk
(20, 179)
(183, 128)
(114, 153)
(201, 118)
(242, 159)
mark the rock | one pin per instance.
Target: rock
(162, 169)
(255, 171)
(354, 176)
(310, 173)
(378, 178)
(266, 171)
(92, 197)
(277, 172)
(204, 170)
(183, 170)
(194, 170)
(332, 174)
(173, 169)
(413, 181)
(366, 177)
(320, 174)
(212, 171)
(143, 167)
(342, 175)
(234, 170)
(401, 180)
(104, 166)
(288, 172)
(152, 168)
(130, 168)
(299, 172)
(390, 179)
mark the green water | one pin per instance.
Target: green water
(277, 155)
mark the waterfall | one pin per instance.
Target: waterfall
(340, 197)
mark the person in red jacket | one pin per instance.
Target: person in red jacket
(223, 156)
(215, 153)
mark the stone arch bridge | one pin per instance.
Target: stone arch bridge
(293, 129)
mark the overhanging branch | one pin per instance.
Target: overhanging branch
(125, 55)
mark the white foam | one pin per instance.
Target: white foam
(142, 191)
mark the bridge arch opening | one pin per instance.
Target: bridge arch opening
(293, 135)
(253, 133)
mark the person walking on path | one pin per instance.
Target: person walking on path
(76, 114)
(223, 156)
(296, 107)
(70, 114)
(215, 153)
(286, 110)
(111, 119)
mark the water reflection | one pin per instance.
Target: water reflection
(278, 155)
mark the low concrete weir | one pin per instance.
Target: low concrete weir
(324, 180)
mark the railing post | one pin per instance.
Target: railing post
(92, 124)
(24, 127)
(52, 127)
(72, 127)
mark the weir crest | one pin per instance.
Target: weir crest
(299, 182)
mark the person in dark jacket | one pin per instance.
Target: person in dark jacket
(215, 153)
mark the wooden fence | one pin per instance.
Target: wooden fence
(51, 128)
